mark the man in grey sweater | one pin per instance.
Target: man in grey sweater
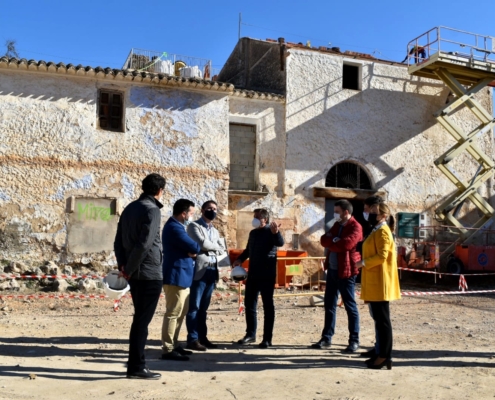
(139, 256)
(206, 235)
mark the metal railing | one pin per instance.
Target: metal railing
(169, 64)
(452, 42)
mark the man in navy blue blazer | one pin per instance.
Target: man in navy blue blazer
(178, 272)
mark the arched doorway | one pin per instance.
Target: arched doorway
(346, 175)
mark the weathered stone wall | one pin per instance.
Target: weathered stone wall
(268, 117)
(388, 128)
(51, 149)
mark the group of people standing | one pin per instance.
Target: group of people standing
(184, 264)
(348, 252)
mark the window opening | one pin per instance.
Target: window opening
(351, 77)
(111, 111)
(348, 175)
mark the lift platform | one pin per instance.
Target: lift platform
(465, 62)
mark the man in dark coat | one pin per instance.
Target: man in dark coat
(261, 250)
(139, 256)
(341, 241)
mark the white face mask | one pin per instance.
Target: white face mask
(336, 216)
(366, 215)
(188, 221)
(256, 223)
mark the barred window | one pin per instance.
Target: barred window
(348, 175)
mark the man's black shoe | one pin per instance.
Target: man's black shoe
(246, 340)
(174, 355)
(182, 352)
(196, 346)
(265, 344)
(208, 344)
(321, 344)
(145, 373)
(352, 348)
(369, 354)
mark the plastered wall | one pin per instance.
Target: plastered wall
(51, 150)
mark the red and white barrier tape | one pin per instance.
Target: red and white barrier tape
(462, 283)
(63, 276)
(83, 296)
(446, 292)
(441, 273)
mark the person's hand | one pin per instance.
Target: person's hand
(359, 264)
(122, 273)
(274, 227)
(191, 255)
(236, 263)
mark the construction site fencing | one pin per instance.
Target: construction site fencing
(299, 282)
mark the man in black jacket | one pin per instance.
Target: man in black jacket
(139, 256)
(261, 250)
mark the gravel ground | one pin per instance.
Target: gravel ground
(76, 349)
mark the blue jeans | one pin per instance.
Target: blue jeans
(199, 301)
(346, 289)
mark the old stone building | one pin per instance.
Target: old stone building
(290, 129)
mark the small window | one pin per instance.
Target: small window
(351, 77)
(111, 111)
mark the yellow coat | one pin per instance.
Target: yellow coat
(380, 279)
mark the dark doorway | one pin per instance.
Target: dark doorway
(347, 175)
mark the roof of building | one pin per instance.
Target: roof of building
(132, 76)
(337, 51)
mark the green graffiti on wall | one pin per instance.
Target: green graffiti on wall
(91, 212)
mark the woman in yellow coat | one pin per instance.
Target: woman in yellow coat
(380, 281)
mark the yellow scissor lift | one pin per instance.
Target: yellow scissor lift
(465, 62)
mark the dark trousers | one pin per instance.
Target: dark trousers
(383, 326)
(145, 296)
(346, 288)
(199, 301)
(254, 287)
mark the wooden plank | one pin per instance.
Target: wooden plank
(349, 194)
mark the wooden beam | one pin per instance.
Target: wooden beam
(349, 194)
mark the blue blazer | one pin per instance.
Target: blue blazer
(178, 267)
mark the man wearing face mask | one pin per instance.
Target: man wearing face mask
(178, 271)
(341, 241)
(206, 235)
(368, 203)
(261, 250)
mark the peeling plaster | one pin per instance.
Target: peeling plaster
(84, 183)
(127, 186)
(4, 196)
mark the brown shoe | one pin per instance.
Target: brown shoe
(196, 346)
(208, 344)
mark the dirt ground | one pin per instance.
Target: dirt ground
(76, 349)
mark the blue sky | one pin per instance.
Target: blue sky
(101, 33)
